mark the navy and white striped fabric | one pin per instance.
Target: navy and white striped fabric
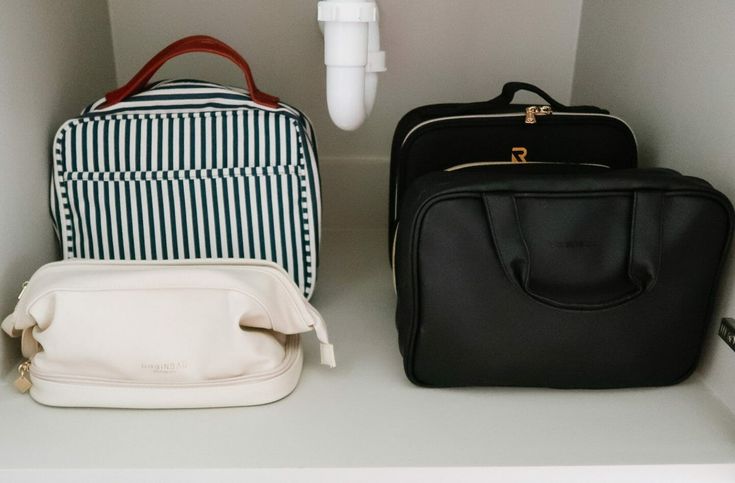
(188, 169)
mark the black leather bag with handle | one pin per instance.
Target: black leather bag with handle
(439, 136)
(565, 276)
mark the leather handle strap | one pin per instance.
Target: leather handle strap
(643, 259)
(645, 238)
(194, 43)
(510, 89)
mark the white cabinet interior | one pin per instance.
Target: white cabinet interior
(665, 68)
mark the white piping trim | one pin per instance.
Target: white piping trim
(496, 163)
(490, 116)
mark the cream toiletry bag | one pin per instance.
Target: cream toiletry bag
(174, 334)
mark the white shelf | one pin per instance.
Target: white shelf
(365, 414)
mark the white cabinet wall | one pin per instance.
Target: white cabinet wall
(667, 68)
(54, 58)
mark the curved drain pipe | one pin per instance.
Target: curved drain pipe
(353, 58)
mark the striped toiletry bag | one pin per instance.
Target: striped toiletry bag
(187, 169)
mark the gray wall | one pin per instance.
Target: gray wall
(437, 51)
(56, 56)
(668, 68)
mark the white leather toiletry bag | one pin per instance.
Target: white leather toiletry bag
(175, 334)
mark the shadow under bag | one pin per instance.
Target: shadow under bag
(560, 276)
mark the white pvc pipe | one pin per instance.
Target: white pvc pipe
(353, 58)
(378, 60)
(346, 96)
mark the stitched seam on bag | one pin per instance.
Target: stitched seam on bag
(414, 242)
(631, 247)
(68, 234)
(309, 256)
(527, 271)
(660, 240)
(493, 233)
(182, 174)
(291, 356)
(616, 125)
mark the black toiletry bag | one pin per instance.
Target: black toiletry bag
(440, 136)
(557, 275)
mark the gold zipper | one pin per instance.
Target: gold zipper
(23, 383)
(533, 111)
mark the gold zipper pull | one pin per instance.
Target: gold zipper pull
(22, 289)
(23, 383)
(533, 111)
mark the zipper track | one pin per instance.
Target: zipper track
(184, 174)
(459, 167)
(291, 354)
(172, 263)
(123, 266)
(511, 115)
(494, 116)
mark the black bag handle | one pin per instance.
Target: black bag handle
(643, 256)
(510, 89)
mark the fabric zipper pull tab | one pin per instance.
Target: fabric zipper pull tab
(23, 383)
(533, 111)
(23, 289)
(326, 350)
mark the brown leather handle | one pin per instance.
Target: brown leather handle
(194, 43)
